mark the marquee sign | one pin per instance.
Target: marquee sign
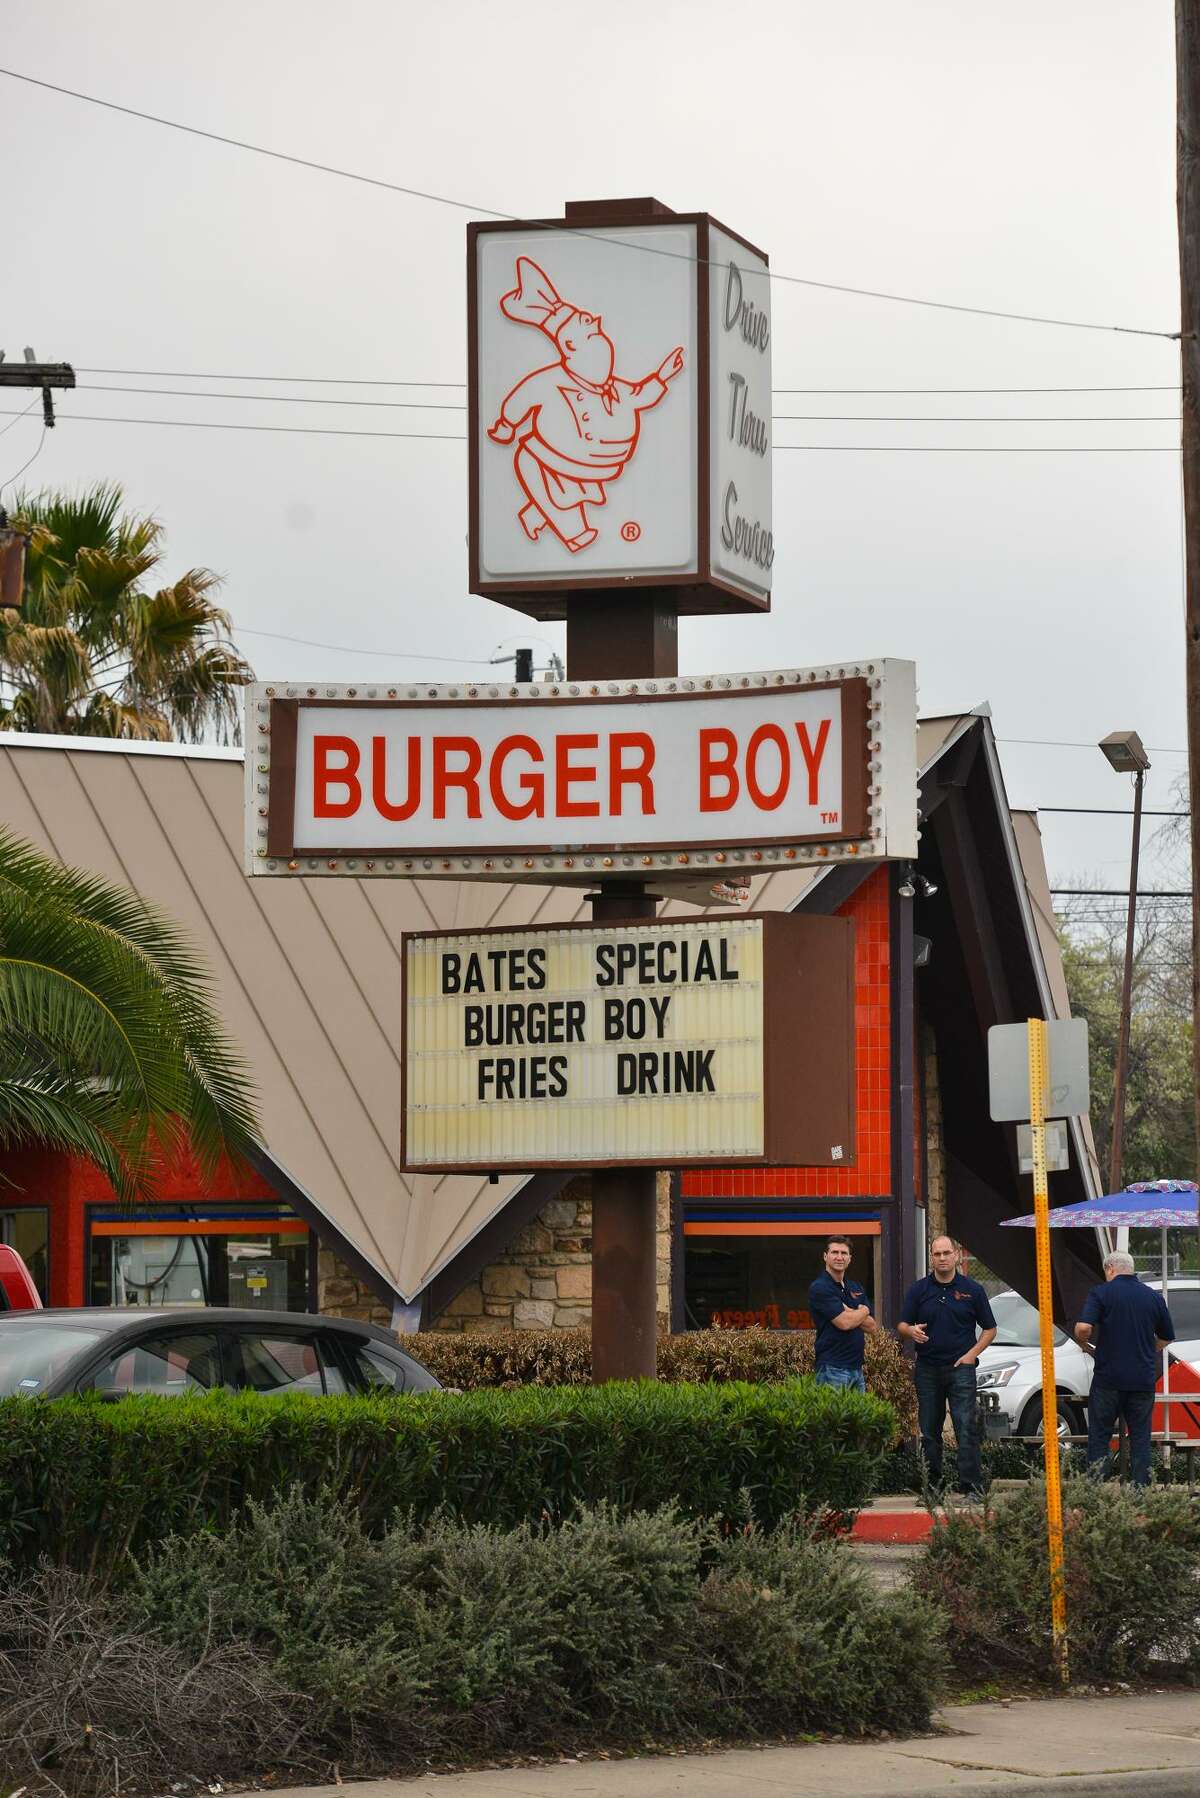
(717, 775)
(657, 1044)
(619, 409)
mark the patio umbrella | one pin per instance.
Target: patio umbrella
(1146, 1205)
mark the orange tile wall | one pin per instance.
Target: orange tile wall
(871, 1171)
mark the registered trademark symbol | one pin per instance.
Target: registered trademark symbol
(631, 531)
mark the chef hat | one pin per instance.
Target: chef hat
(535, 301)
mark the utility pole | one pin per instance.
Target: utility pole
(1187, 76)
(31, 373)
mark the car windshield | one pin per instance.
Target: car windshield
(32, 1355)
(1017, 1323)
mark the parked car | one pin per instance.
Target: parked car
(1010, 1374)
(1010, 1371)
(17, 1289)
(50, 1354)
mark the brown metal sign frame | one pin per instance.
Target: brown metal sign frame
(809, 1097)
(854, 825)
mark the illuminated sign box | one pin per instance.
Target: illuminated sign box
(619, 410)
(717, 774)
(655, 1044)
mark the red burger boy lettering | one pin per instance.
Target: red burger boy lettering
(767, 768)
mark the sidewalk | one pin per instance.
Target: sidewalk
(1047, 1748)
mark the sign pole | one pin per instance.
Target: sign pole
(621, 636)
(1038, 1086)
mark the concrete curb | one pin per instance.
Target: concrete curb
(1165, 1782)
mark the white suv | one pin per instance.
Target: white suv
(1009, 1381)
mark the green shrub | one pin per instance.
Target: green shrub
(470, 1360)
(445, 1639)
(93, 1701)
(87, 1483)
(1132, 1565)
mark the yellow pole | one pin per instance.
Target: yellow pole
(1038, 1086)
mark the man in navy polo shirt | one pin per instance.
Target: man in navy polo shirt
(842, 1314)
(1135, 1327)
(941, 1315)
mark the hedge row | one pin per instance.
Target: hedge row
(1132, 1572)
(88, 1483)
(447, 1642)
(471, 1359)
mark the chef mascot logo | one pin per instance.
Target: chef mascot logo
(574, 422)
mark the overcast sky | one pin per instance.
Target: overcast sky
(1017, 157)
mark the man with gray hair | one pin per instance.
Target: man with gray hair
(1134, 1328)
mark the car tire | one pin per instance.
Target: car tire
(1070, 1421)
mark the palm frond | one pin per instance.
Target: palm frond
(111, 994)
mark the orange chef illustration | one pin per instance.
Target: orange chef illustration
(574, 422)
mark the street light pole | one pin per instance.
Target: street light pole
(1123, 750)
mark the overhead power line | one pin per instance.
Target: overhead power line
(184, 374)
(1119, 893)
(1064, 743)
(1106, 811)
(848, 418)
(403, 655)
(418, 193)
(930, 449)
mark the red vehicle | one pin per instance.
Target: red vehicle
(17, 1290)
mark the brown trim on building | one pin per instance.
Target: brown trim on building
(902, 1266)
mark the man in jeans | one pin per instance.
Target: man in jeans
(941, 1314)
(1135, 1327)
(842, 1314)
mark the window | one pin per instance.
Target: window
(735, 1280)
(1017, 1324)
(1184, 1307)
(27, 1229)
(33, 1355)
(219, 1253)
(171, 1364)
(276, 1362)
(377, 1372)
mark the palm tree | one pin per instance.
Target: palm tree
(109, 1044)
(93, 652)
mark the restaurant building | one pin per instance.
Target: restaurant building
(308, 983)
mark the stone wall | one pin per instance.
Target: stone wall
(340, 1294)
(544, 1279)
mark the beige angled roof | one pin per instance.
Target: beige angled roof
(308, 971)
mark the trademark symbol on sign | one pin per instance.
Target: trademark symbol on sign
(631, 531)
(829, 817)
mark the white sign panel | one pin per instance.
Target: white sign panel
(720, 773)
(588, 403)
(742, 541)
(659, 1043)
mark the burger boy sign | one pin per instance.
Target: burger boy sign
(620, 409)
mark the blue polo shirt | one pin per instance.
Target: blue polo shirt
(952, 1311)
(827, 1300)
(1129, 1316)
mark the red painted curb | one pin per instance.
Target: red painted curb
(892, 1526)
